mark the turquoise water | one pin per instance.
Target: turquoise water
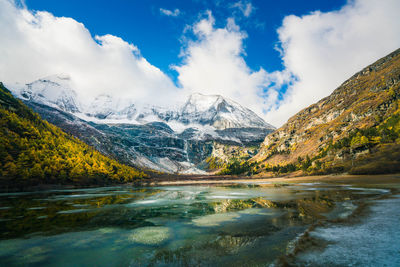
(236, 225)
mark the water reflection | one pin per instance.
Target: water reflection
(243, 224)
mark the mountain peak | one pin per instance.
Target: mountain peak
(219, 112)
(198, 102)
(60, 80)
(55, 91)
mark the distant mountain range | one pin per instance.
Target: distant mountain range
(173, 140)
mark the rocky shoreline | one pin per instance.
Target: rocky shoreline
(339, 178)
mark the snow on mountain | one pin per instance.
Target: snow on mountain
(201, 112)
(107, 107)
(54, 91)
(219, 112)
(171, 139)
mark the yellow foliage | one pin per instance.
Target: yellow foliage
(36, 150)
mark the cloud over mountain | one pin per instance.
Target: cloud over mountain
(38, 44)
(214, 63)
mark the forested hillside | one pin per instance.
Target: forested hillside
(33, 151)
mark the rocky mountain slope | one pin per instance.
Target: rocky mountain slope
(357, 125)
(178, 139)
(32, 151)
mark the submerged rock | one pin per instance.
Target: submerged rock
(152, 235)
(215, 219)
(107, 230)
(232, 244)
(34, 255)
(257, 211)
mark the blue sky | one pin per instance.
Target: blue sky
(274, 57)
(158, 36)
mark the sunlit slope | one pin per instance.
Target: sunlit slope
(34, 151)
(356, 128)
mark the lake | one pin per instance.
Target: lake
(243, 224)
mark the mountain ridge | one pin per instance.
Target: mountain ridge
(213, 110)
(177, 140)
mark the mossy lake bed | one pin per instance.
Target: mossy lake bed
(243, 223)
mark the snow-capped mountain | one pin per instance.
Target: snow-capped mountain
(198, 110)
(167, 139)
(219, 112)
(54, 91)
(105, 107)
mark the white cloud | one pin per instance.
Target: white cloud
(245, 7)
(170, 13)
(35, 45)
(214, 64)
(322, 50)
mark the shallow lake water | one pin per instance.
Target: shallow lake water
(231, 225)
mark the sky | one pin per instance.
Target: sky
(274, 57)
